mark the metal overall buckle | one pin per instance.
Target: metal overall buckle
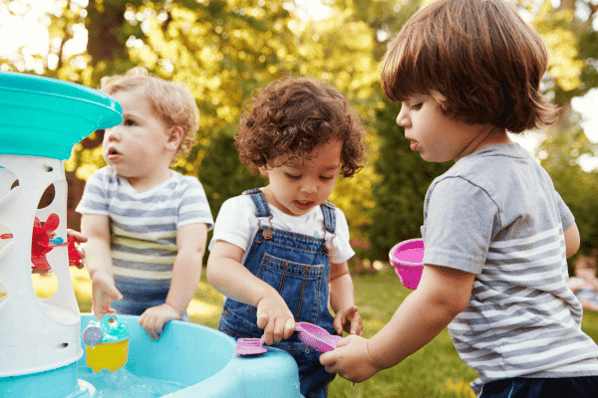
(267, 230)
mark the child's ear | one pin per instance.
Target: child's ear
(175, 137)
(263, 170)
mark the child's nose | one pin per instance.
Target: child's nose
(111, 134)
(310, 186)
(402, 119)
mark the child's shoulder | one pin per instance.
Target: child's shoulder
(104, 175)
(239, 204)
(183, 182)
(491, 165)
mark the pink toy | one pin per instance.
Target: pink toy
(407, 258)
(312, 335)
(317, 337)
(250, 346)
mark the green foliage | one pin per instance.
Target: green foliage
(578, 188)
(223, 50)
(222, 174)
(399, 197)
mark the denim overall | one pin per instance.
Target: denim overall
(297, 266)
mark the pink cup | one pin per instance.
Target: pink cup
(407, 258)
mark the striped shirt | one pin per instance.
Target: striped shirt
(143, 225)
(496, 214)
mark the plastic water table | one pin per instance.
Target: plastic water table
(41, 350)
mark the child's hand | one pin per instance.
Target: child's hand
(274, 316)
(103, 292)
(154, 319)
(78, 236)
(350, 360)
(349, 320)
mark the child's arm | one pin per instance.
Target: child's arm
(342, 300)
(226, 273)
(572, 240)
(99, 263)
(441, 295)
(186, 272)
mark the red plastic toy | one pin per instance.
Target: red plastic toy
(42, 243)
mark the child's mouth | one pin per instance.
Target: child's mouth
(303, 205)
(112, 154)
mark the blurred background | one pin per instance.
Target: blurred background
(224, 49)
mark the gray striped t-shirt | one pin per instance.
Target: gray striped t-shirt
(496, 214)
(143, 225)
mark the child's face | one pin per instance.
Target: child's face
(434, 135)
(134, 147)
(302, 184)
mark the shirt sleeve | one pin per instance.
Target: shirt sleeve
(234, 223)
(342, 250)
(567, 218)
(194, 207)
(95, 198)
(458, 225)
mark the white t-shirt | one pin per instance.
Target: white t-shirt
(237, 224)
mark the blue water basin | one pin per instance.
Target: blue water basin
(204, 360)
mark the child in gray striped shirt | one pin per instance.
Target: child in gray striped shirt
(496, 233)
(146, 224)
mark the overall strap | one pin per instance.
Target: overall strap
(261, 206)
(329, 216)
(329, 225)
(262, 212)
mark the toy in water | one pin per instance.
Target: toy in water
(42, 243)
(106, 343)
(312, 335)
(407, 259)
(40, 121)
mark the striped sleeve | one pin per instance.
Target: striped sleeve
(194, 207)
(95, 195)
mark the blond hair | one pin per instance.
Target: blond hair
(172, 102)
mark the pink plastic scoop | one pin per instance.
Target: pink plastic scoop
(316, 337)
(407, 258)
(312, 335)
(250, 346)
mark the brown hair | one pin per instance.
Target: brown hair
(172, 102)
(291, 117)
(477, 58)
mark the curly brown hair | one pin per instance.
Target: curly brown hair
(289, 118)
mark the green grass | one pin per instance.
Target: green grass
(434, 371)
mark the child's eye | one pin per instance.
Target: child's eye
(293, 176)
(416, 107)
(129, 122)
(325, 178)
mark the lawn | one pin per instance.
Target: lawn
(434, 371)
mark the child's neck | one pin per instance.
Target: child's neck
(486, 138)
(145, 183)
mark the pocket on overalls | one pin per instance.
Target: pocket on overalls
(239, 320)
(299, 285)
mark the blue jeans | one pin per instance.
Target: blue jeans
(519, 387)
(297, 267)
(139, 295)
